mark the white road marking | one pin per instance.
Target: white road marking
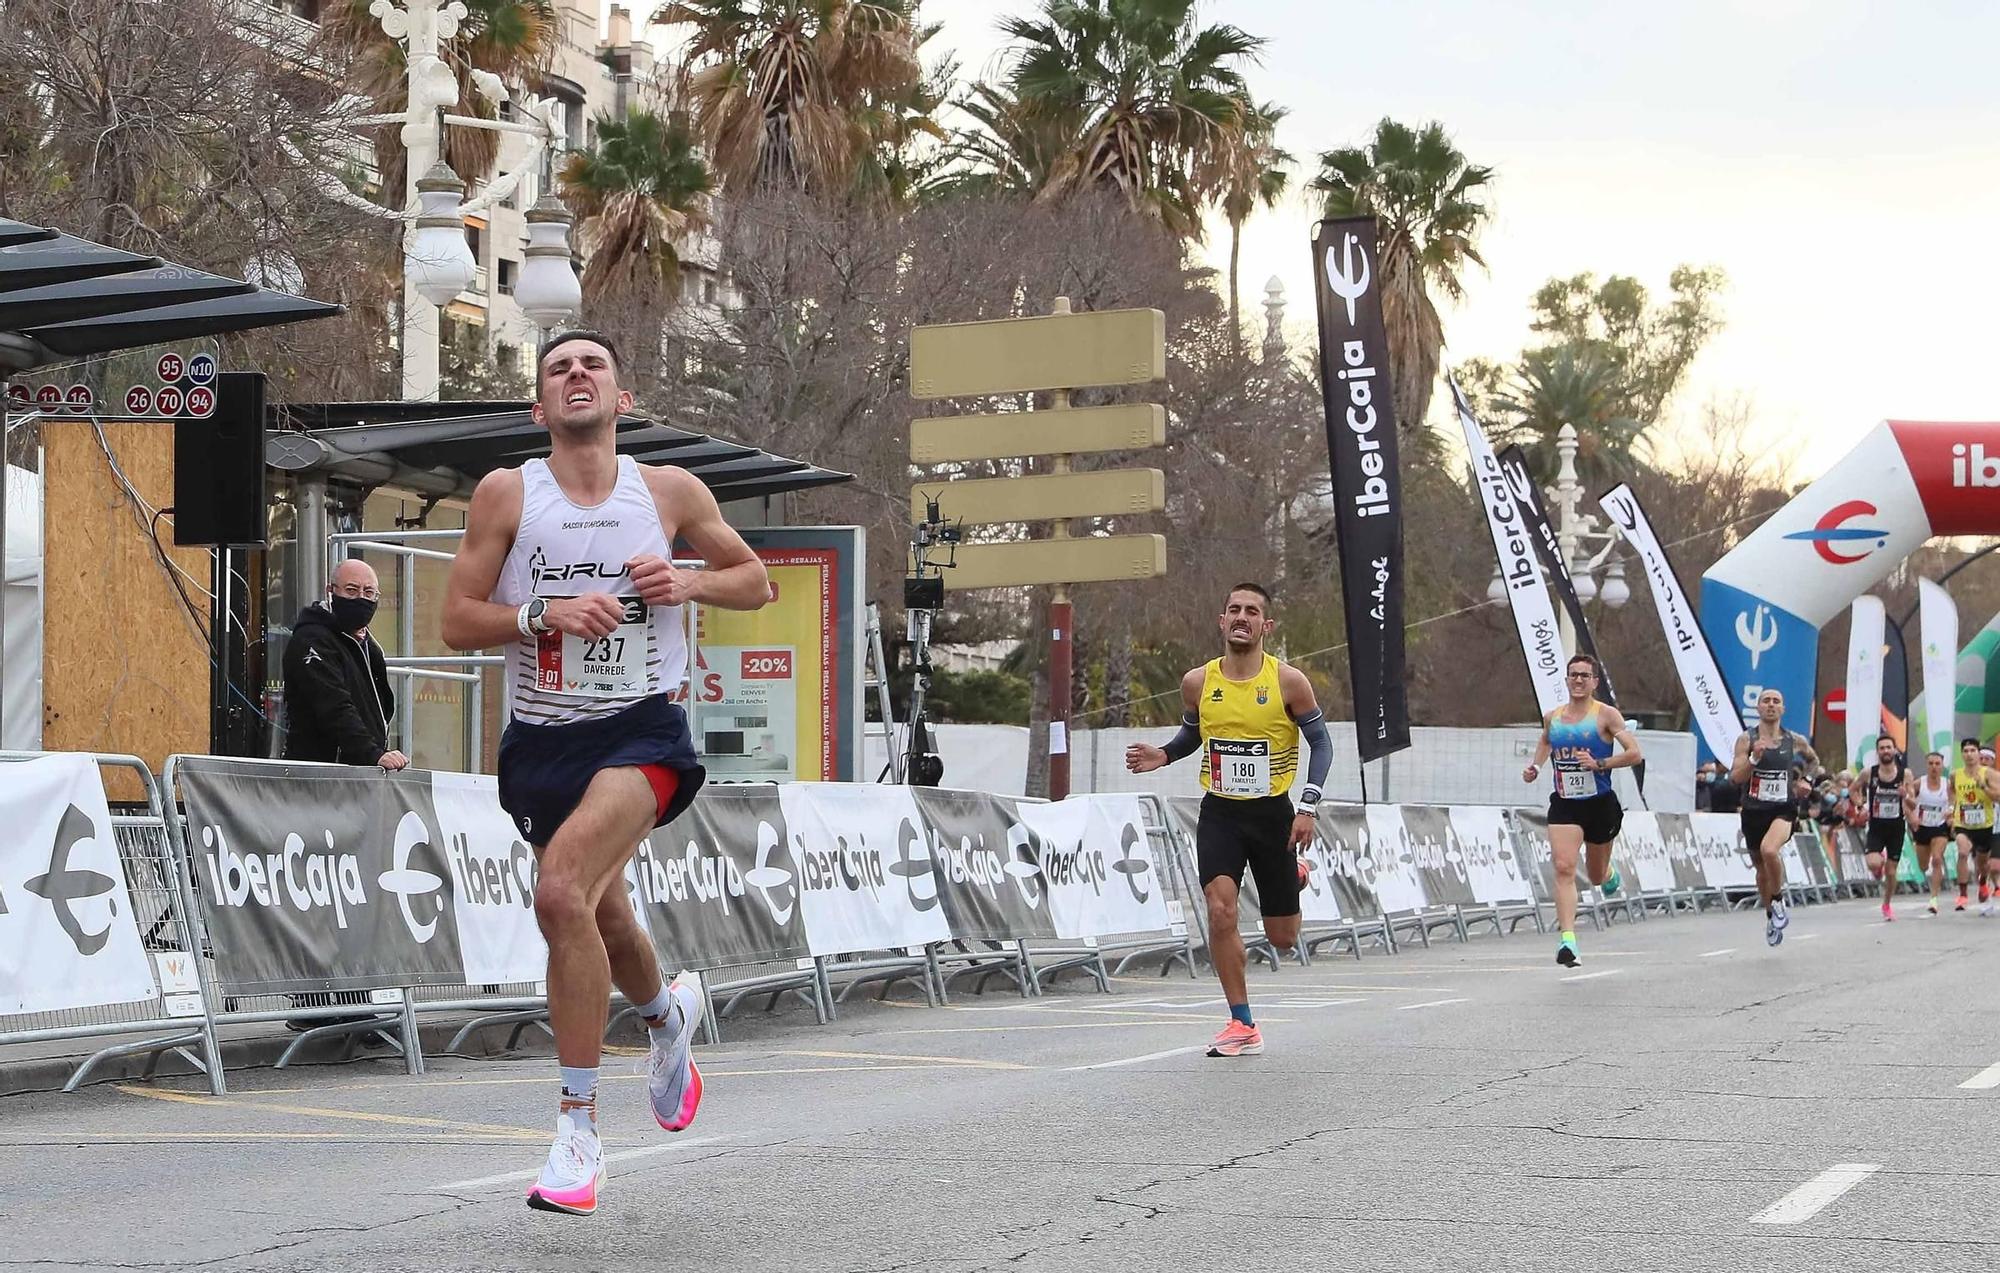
(1986, 1078)
(1710, 954)
(1586, 976)
(1806, 937)
(622, 1156)
(1433, 1003)
(1810, 1198)
(1134, 1060)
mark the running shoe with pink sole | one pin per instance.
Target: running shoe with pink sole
(573, 1172)
(1237, 1039)
(672, 1082)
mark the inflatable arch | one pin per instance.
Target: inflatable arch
(1977, 713)
(1763, 604)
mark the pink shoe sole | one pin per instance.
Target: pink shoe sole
(689, 1103)
(576, 1202)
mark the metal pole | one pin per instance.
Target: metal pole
(1061, 632)
(312, 548)
(406, 639)
(6, 498)
(419, 24)
(1568, 530)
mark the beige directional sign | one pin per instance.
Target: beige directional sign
(985, 501)
(1131, 426)
(1058, 561)
(1021, 355)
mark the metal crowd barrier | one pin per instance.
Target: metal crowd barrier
(353, 1017)
(159, 866)
(160, 895)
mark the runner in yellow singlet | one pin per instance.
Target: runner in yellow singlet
(1246, 712)
(1973, 792)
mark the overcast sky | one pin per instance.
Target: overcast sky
(1836, 157)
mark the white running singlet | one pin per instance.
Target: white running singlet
(565, 550)
(1933, 806)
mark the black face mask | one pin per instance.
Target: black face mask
(351, 614)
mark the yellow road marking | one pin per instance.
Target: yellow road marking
(179, 1138)
(315, 1111)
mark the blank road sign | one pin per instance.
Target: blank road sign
(1021, 355)
(1131, 426)
(1058, 561)
(984, 501)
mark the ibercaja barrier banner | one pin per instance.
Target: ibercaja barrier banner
(1361, 445)
(322, 875)
(68, 938)
(988, 865)
(1097, 866)
(719, 883)
(863, 867)
(1678, 833)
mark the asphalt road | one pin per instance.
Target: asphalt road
(1469, 1106)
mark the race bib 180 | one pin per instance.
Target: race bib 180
(1239, 767)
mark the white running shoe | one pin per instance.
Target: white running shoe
(575, 1169)
(672, 1081)
(1779, 915)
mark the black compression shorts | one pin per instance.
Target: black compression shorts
(1885, 835)
(1757, 820)
(1929, 835)
(1980, 838)
(1233, 834)
(1599, 816)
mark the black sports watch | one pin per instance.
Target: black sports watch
(537, 608)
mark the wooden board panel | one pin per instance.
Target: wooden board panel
(987, 501)
(124, 669)
(1056, 351)
(1129, 426)
(1032, 561)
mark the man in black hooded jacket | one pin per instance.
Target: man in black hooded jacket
(337, 696)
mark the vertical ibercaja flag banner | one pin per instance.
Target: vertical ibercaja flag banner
(1367, 477)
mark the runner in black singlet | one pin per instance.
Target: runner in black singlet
(1766, 758)
(1890, 790)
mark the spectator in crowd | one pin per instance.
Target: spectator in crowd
(337, 706)
(337, 696)
(1713, 791)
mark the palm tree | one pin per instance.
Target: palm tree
(1249, 172)
(1153, 95)
(508, 38)
(1572, 383)
(1427, 200)
(783, 90)
(639, 190)
(1011, 149)
(905, 149)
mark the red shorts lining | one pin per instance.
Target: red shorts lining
(665, 783)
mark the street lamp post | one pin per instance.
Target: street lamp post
(437, 261)
(1584, 548)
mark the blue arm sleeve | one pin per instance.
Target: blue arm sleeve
(1187, 741)
(1319, 758)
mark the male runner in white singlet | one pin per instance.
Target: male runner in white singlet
(568, 562)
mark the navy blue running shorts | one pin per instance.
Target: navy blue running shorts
(545, 769)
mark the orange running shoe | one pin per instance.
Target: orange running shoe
(1237, 1039)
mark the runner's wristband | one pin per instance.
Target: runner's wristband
(1309, 800)
(521, 619)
